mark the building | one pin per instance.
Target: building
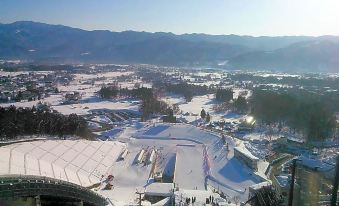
(72, 97)
(246, 156)
(158, 191)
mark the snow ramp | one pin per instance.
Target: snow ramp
(189, 169)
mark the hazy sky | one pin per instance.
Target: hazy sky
(244, 17)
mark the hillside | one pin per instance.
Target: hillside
(56, 43)
(310, 56)
(29, 40)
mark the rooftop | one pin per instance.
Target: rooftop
(78, 161)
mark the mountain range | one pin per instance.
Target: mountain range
(42, 42)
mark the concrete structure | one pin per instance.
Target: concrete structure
(254, 188)
(245, 156)
(27, 189)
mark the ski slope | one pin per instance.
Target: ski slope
(196, 158)
(221, 168)
(189, 173)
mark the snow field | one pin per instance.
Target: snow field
(223, 170)
(189, 172)
(86, 107)
(205, 102)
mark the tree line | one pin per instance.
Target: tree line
(113, 91)
(150, 104)
(184, 89)
(224, 95)
(307, 113)
(20, 121)
(309, 81)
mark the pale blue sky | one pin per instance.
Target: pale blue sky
(244, 17)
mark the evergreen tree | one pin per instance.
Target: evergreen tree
(108, 92)
(203, 114)
(307, 113)
(28, 121)
(224, 95)
(240, 104)
(265, 196)
(208, 117)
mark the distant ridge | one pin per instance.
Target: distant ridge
(44, 42)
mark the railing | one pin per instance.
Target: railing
(29, 185)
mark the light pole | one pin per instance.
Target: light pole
(290, 197)
(335, 184)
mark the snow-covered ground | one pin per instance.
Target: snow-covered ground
(173, 99)
(109, 134)
(189, 166)
(82, 77)
(85, 108)
(202, 165)
(225, 171)
(13, 74)
(54, 99)
(82, 84)
(94, 125)
(200, 196)
(190, 111)
(196, 158)
(128, 176)
(102, 119)
(197, 104)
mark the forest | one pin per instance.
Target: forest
(149, 102)
(16, 122)
(308, 113)
(224, 95)
(187, 90)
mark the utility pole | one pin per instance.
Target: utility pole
(335, 184)
(290, 197)
(139, 193)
